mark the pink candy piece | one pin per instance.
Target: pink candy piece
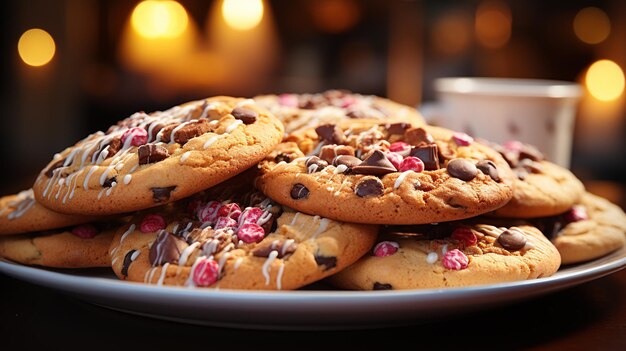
(225, 222)
(394, 158)
(85, 231)
(250, 233)
(152, 223)
(138, 136)
(411, 164)
(289, 100)
(231, 210)
(513, 145)
(465, 235)
(386, 248)
(576, 214)
(399, 146)
(348, 101)
(455, 260)
(462, 139)
(205, 272)
(250, 215)
(208, 211)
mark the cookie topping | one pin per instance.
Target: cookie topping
(397, 128)
(315, 164)
(190, 130)
(386, 248)
(489, 168)
(250, 215)
(128, 259)
(135, 136)
(464, 235)
(247, 116)
(152, 223)
(375, 164)
(411, 164)
(205, 272)
(250, 233)
(576, 214)
(400, 147)
(230, 210)
(369, 186)
(418, 137)
(381, 286)
(328, 262)
(512, 239)
(283, 247)
(50, 171)
(394, 158)
(462, 169)
(348, 161)
(429, 154)
(330, 133)
(167, 248)
(225, 223)
(152, 153)
(299, 191)
(455, 260)
(85, 231)
(462, 139)
(110, 182)
(162, 194)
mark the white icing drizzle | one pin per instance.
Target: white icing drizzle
(444, 249)
(279, 276)
(127, 179)
(432, 257)
(266, 266)
(246, 102)
(163, 272)
(184, 157)
(130, 229)
(101, 193)
(23, 201)
(210, 142)
(151, 275)
(312, 168)
(186, 252)
(189, 281)
(286, 245)
(134, 255)
(345, 181)
(400, 179)
(222, 261)
(114, 260)
(238, 263)
(234, 125)
(86, 181)
(340, 169)
(294, 219)
(264, 217)
(323, 225)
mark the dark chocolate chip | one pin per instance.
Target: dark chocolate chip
(418, 136)
(282, 157)
(429, 154)
(114, 146)
(167, 248)
(489, 168)
(512, 239)
(155, 130)
(299, 191)
(397, 128)
(151, 153)
(369, 186)
(247, 116)
(109, 182)
(50, 171)
(346, 160)
(191, 130)
(356, 114)
(375, 164)
(127, 261)
(382, 286)
(315, 164)
(264, 251)
(162, 194)
(462, 169)
(328, 262)
(330, 133)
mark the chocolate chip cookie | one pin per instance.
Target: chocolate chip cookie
(453, 254)
(303, 111)
(148, 160)
(386, 174)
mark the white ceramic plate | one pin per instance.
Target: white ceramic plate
(303, 309)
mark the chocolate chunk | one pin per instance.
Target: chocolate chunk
(530, 165)
(397, 128)
(151, 153)
(282, 157)
(109, 182)
(375, 164)
(381, 286)
(162, 194)
(512, 239)
(429, 154)
(418, 137)
(264, 251)
(299, 191)
(247, 116)
(355, 114)
(114, 146)
(462, 169)
(348, 161)
(330, 133)
(167, 248)
(328, 262)
(489, 168)
(191, 130)
(50, 171)
(155, 130)
(530, 152)
(369, 186)
(315, 164)
(128, 259)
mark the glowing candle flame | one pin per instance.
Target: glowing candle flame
(605, 80)
(36, 47)
(159, 19)
(242, 14)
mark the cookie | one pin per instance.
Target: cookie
(82, 246)
(386, 174)
(455, 254)
(542, 188)
(591, 229)
(304, 111)
(237, 242)
(148, 160)
(20, 213)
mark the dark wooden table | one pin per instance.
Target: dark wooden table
(591, 316)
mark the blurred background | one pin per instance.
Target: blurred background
(72, 67)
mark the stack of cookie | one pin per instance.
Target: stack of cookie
(277, 192)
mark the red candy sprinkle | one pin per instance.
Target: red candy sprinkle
(85, 231)
(289, 100)
(208, 211)
(399, 146)
(225, 222)
(386, 248)
(205, 272)
(465, 235)
(455, 260)
(394, 158)
(250, 233)
(411, 164)
(462, 139)
(513, 145)
(250, 215)
(139, 136)
(576, 214)
(152, 223)
(230, 210)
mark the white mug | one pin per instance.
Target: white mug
(537, 112)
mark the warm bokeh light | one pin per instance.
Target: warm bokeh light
(335, 16)
(605, 80)
(592, 25)
(493, 24)
(159, 19)
(242, 14)
(451, 33)
(36, 47)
